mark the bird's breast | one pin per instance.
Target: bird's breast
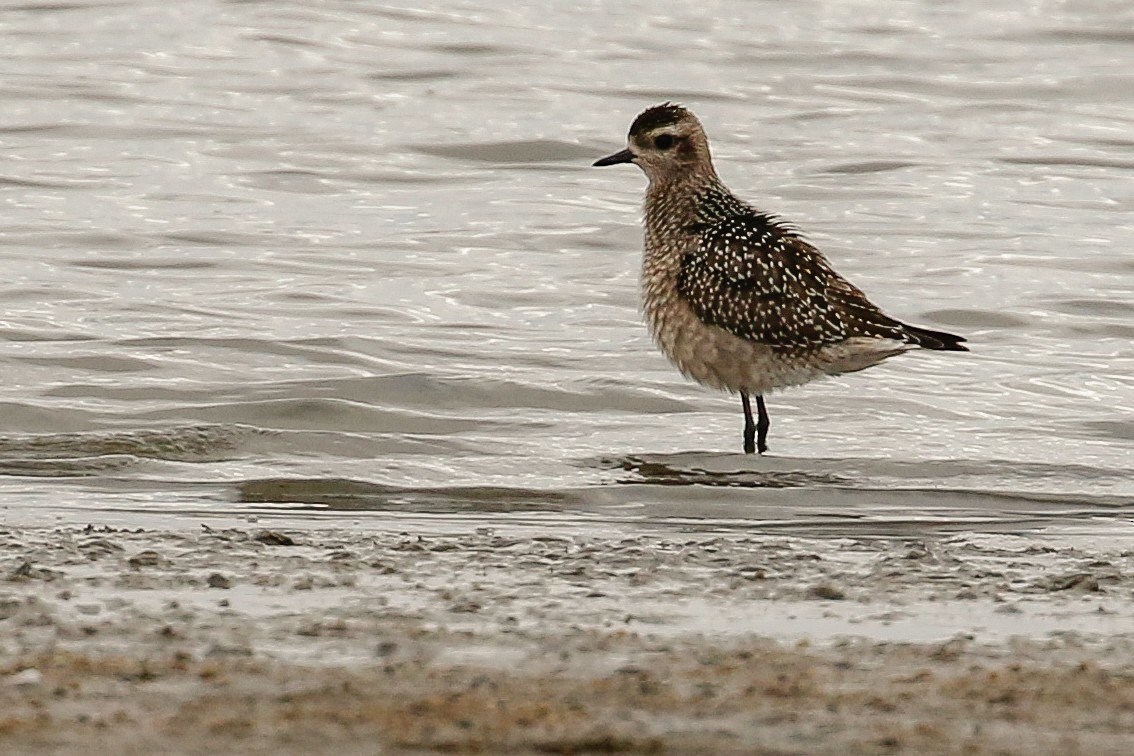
(706, 353)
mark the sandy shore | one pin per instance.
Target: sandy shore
(334, 641)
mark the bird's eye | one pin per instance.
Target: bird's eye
(663, 141)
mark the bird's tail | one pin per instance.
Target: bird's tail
(938, 340)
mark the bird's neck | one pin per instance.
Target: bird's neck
(672, 215)
(673, 201)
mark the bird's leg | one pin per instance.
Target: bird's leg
(762, 424)
(749, 426)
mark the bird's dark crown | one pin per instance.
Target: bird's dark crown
(660, 115)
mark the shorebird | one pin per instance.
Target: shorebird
(735, 297)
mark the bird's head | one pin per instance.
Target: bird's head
(666, 142)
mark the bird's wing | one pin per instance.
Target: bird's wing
(757, 279)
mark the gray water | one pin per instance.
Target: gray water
(311, 261)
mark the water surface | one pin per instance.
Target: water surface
(344, 260)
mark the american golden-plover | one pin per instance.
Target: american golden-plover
(734, 297)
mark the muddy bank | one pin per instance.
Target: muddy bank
(334, 641)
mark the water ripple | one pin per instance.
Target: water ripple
(354, 256)
(197, 443)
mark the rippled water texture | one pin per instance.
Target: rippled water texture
(342, 259)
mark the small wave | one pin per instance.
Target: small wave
(194, 443)
(975, 318)
(1085, 485)
(532, 151)
(347, 494)
(67, 468)
(872, 166)
(663, 473)
(415, 74)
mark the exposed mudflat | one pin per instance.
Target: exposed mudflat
(333, 641)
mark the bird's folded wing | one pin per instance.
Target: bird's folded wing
(757, 279)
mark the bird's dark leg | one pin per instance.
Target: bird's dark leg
(749, 426)
(761, 425)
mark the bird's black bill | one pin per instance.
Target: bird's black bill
(625, 156)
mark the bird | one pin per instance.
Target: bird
(737, 298)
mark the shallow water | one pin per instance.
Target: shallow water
(339, 260)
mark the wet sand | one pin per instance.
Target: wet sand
(335, 641)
